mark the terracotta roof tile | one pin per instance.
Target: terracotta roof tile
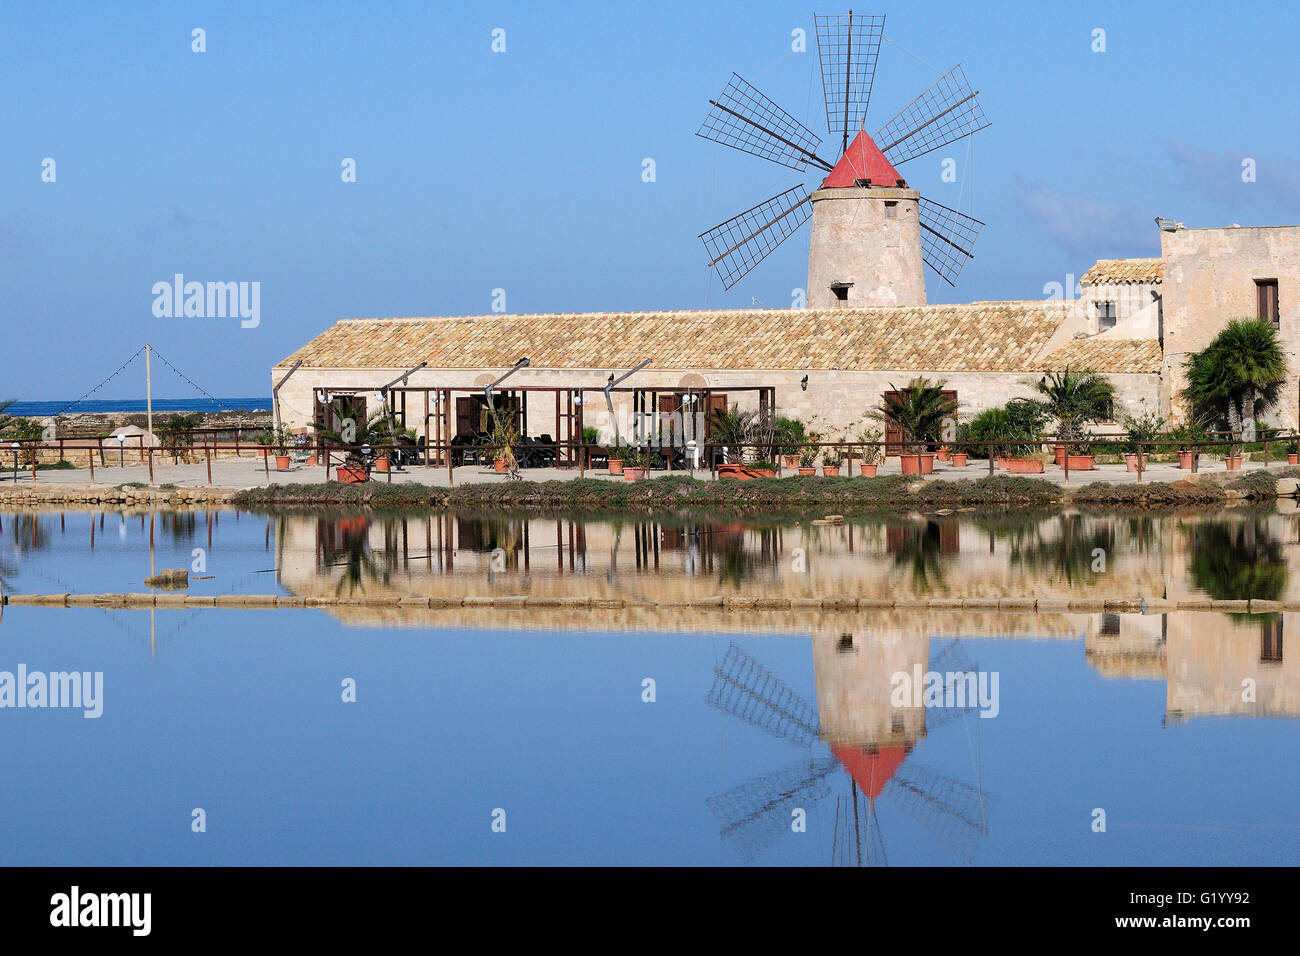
(978, 336)
(1102, 353)
(1125, 270)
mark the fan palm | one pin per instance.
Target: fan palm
(918, 411)
(1074, 397)
(1239, 374)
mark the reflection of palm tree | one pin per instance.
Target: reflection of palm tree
(920, 548)
(1237, 561)
(345, 543)
(1072, 553)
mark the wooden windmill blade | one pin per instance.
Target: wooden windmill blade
(749, 691)
(743, 241)
(947, 238)
(943, 114)
(744, 119)
(848, 47)
(753, 814)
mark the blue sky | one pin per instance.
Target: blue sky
(522, 170)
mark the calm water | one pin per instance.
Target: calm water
(196, 404)
(761, 720)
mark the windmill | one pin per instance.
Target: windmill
(754, 813)
(871, 232)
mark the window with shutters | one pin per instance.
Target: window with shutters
(1266, 293)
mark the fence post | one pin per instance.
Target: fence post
(90, 456)
(988, 449)
(36, 450)
(207, 455)
(451, 476)
(582, 459)
(150, 465)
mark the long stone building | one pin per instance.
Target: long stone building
(867, 330)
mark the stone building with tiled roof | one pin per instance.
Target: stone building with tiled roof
(828, 365)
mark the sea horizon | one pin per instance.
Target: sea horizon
(92, 406)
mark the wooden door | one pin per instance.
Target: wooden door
(894, 435)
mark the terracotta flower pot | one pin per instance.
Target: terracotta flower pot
(927, 464)
(1002, 462)
(632, 473)
(1185, 460)
(281, 462)
(381, 463)
(1233, 463)
(830, 471)
(498, 465)
(959, 459)
(1081, 462)
(1060, 456)
(616, 466)
(943, 454)
(1293, 459)
(911, 464)
(765, 473)
(1024, 466)
(1131, 461)
(807, 471)
(790, 461)
(351, 474)
(311, 460)
(869, 471)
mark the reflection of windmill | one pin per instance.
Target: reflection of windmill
(752, 814)
(885, 229)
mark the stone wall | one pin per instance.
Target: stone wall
(1209, 280)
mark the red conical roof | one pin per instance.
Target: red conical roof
(872, 769)
(862, 160)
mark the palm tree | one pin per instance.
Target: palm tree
(1074, 397)
(1237, 375)
(917, 411)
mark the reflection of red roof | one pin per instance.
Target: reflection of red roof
(870, 768)
(862, 160)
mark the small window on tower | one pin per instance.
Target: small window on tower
(1106, 315)
(1266, 292)
(891, 210)
(841, 291)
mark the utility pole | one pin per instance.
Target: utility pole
(148, 400)
(148, 390)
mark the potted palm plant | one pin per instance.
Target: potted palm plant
(872, 452)
(634, 464)
(1075, 397)
(832, 460)
(1142, 431)
(918, 411)
(616, 456)
(789, 434)
(502, 444)
(1292, 454)
(808, 460)
(355, 436)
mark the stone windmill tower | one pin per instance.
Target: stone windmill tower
(871, 232)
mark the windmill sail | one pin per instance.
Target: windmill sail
(746, 689)
(943, 114)
(742, 242)
(753, 814)
(954, 812)
(744, 119)
(848, 47)
(947, 238)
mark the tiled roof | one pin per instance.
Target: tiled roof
(1107, 354)
(978, 336)
(1125, 270)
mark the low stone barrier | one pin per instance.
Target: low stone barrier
(745, 605)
